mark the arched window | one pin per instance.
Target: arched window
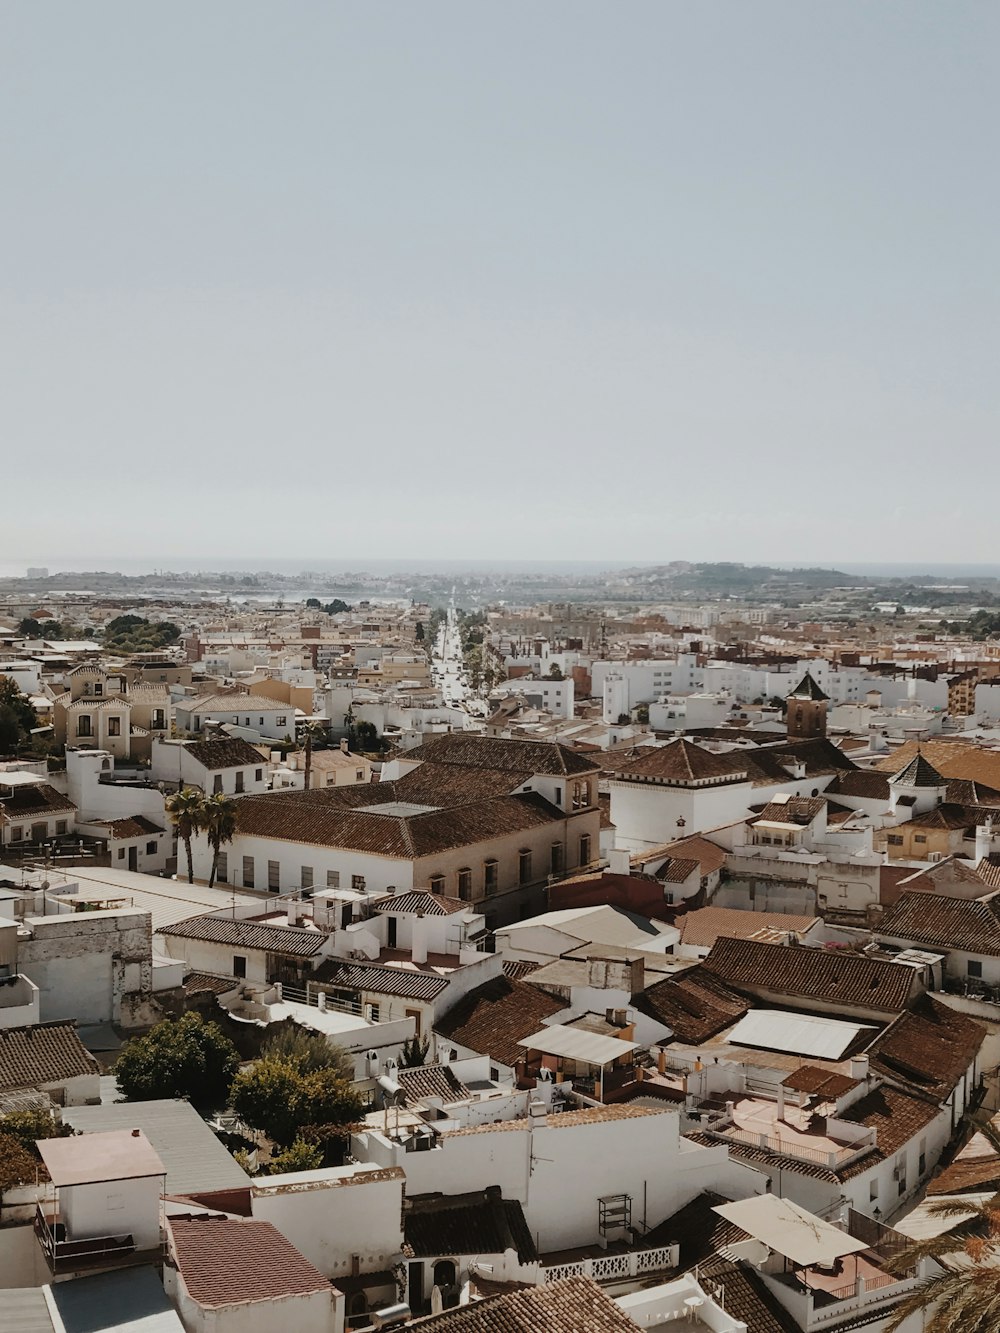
(445, 1273)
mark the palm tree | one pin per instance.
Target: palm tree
(311, 731)
(963, 1296)
(218, 819)
(186, 810)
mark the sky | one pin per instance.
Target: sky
(447, 279)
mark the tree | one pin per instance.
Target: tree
(298, 1156)
(414, 1052)
(418, 631)
(17, 717)
(218, 819)
(965, 1296)
(184, 1057)
(186, 809)
(29, 628)
(306, 1051)
(31, 1124)
(17, 1166)
(278, 1099)
(311, 733)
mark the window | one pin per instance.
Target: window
(248, 872)
(922, 1159)
(465, 883)
(333, 879)
(83, 726)
(60, 826)
(151, 849)
(346, 916)
(371, 1012)
(239, 965)
(159, 719)
(217, 784)
(581, 795)
(873, 1191)
(114, 726)
(239, 782)
(273, 876)
(559, 796)
(524, 866)
(121, 853)
(258, 775)
(490, 876)
(16, 833)
(974, 968)
(222, 869)
(895, 840)
(556, 859)
(278, 721)
(306, 877)
(415, 1015)
(436, 883)
(359, 775)
(358, 883)
(585, 849)
(919, 837)
(260, 722)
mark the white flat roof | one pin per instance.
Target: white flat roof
(167, 900)
(577, 1044)
(797, 1034)
(118, 1154)
(789, 1230)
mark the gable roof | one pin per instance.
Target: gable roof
(225, 1261)
(376, 980)
(292, 941)
(694, 1006)
(929, 1047)
(474, 750)
(32, 799)
(439, 1081)
(229, 752)
(834, 977)
(972, 925)
(238, 702)
(703, 926)
(566, 1306)
(423, 901)
(31, 1057)
(494, 1017)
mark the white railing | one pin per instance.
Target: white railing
(631, 1264)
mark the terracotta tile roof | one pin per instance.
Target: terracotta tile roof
(743, 1296)
(138, 826)
(472, 750)
(376, 980)
(796, 810)
(237, 702)
(972, 925)
(918, 772)
(572, 1305)
(46, 1053)
(288, 940)
(517, 970)
(896, 1117)
(678, 869)
(228, 1262)
(229, 753)
(196, 983)
(708, 854)
(963, 791)
(864, 783)
(698, 1230)
(421, 900)
(988, 870)
(704, 925)
(819, 1082)
(681, 762)
(695, 1005)
(929, 1047)
(437, 1081)
(28, 801)
(482, 1223)
(951, 817)
(328, 818)
(771, 1161)
(836, 977)
(951, 758)
(494, 1017)
(966, 1174)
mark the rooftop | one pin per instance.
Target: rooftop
(224, 1261)
(32, 1057)
(123, 1154)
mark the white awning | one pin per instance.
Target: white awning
(790, 1231)
(575, 1044)
(798, 1034)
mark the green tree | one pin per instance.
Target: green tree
(298, 1156)
(307, 1051)
(184, 1057)
(218, 819)
(29, 628)
(263, 1097)
(31, 1124)
(186, 809)
(418, 631)
(413, 1052)
(17, 1166)
(17, 717)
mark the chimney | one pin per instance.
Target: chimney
(984, 839)
(418, 946)
(859, 1067)
(619, 861)
(343, 745)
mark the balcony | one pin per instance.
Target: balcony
(65, 1253)
(759, 1122)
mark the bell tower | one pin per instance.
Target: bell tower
(806, 715)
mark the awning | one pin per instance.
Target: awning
(790, 1231)
(576, 1044)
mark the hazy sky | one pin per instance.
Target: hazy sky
(553, 278)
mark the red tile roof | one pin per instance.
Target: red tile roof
(31, 1057)
(494, 1017)
(945, 923)
(704, 926)
(572, 1305)
(228, 1262)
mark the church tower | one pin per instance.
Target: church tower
(806, 716)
